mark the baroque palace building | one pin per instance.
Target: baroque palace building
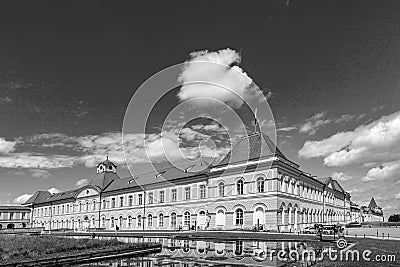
(255, 185)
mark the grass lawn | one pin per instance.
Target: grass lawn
(380, 249)
(17, 248)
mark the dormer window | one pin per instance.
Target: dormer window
(159, 174)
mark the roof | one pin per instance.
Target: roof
(252, 147)
(39, 196)
(335, 184)
(372, 204)
(102, 180)
(324, 180)
(10, 207)
(60, 196)
(164, 172)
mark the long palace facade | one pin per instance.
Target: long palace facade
(255, 185)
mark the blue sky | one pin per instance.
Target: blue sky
(68, 73)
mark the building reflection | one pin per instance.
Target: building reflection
(187, 253)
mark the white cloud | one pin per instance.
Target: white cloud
(386, 170)
(54, 190)
(33, 161)
(7, 146)
(341, 176)
(375, 142)
(89, 150)
(190, 135)
(312, 124)
(344, 118)
(22, 199)
(82, 182)
(39, 173)
(227, 83)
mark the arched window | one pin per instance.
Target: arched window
(129, 221)
(80, 207)
(93, 222)
(94, 204)
(239, 216)
(173, 220)
(260, 185)
(103, 222)
(161, 220)
(186, 219)
(112, 222)
(238, 248)
(150, 220)
(104, 204)
(221, 189)
(87, 206)
(121, 221)
(239, 187)
(220, 219)
(139, 221)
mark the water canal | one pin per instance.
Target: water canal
(190, 252)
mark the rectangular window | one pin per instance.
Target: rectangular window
(113, 202)
(150, 198)
(23, 216)
(202, 191)
(162, 196)
(187, 193)
(174, 194)
(140, 199)
(121, 201)
(11, 215)
(130, 201)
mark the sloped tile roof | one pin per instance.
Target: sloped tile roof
(165, 172)
(337, 186)
(372, 204)
(39, 196)
(59, 196)
(102, 180)
(324, 180)
(252, 147)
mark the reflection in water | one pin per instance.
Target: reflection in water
(185, 253)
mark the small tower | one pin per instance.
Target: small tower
(106, 166)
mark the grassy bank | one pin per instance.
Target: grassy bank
(18, 248)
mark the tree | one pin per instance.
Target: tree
(394, 218)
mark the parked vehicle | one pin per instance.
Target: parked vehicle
(309, 230)
(354, 224)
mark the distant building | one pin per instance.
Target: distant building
(14, 217)
(255, 185)
(355, 213)
(372, 213)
